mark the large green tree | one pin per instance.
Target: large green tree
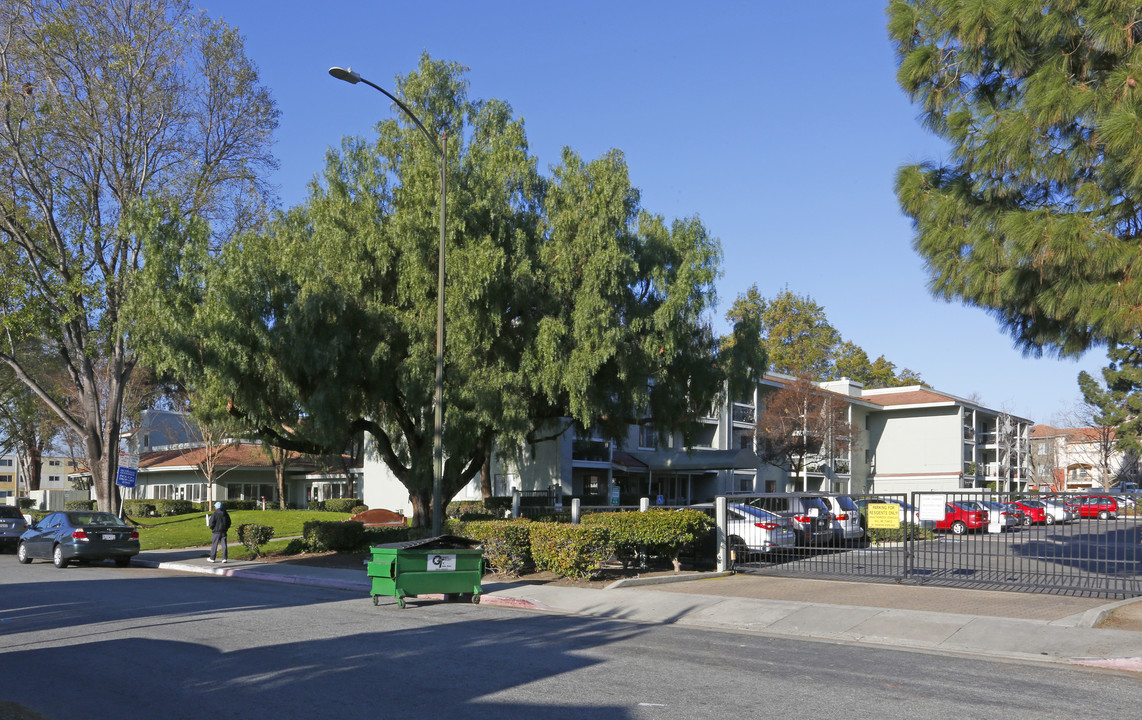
(567, 305)
(1113, 408)
(798, 339)
(109, 111)
(1035, 214)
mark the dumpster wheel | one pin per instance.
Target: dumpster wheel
(476, 598)
(376, 600)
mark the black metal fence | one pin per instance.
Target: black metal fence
(1087, 544)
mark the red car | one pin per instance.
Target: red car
(1034, 511)
(959, 517)
(1102, 507)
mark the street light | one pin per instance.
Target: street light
(441, 150)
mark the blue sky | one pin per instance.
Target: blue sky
(780, 124)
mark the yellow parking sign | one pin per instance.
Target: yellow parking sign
(883, 516)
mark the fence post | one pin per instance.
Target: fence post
(575, 511)
(720, 518)
(643, 504)
(515, 503)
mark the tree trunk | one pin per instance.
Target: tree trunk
(421, 508)
(486, 477)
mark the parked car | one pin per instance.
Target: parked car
(12, 526)
(1020, 516)
(754, 530)
(1034, 512)
(80, 536)
(809, 514)
(1102, 507)
(961, 516)
(1057, 512)
(999, 514)
(846, 518)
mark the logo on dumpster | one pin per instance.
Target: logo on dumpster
(441, 562)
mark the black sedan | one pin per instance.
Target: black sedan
(80, 536)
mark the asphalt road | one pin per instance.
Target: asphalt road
(105, 642)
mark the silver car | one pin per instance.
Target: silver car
(1000, 515)
(753, 530)
(846, 518)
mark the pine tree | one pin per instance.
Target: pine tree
(1035, 216)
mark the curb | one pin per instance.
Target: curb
(665, 579)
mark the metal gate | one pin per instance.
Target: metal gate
(1085, 544)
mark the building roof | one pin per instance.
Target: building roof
(907, 396)
(247, 455)
(1075, 435)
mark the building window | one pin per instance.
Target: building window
(5, 478)
(53, 463)
(647, 437)
(5, 462)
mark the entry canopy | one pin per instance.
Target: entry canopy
(697, 460)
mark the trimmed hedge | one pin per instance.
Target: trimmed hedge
(228, 505)
(79, 505)
(494, 508)
(254, 536)
(386, 535)
(26, 503)
(139, 508)
(506, 543)
(575, 551)
(326, 535)
(167, 508)
(664, 533)
(342, 505)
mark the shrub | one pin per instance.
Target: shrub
(139, 508)
(881, 535)
(386, 535)
(506, 543)
(325, 535)
(664, 533)
(494, 508)
(229, 505)
(254, 536)
(342, 505)
(26, 503)
(295, 547)
(175, 507)
(575, 551)
(358, 509)
(79, 505)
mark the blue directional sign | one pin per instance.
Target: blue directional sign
(126, 477)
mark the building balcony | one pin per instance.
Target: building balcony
(743, 413)
(592, 451)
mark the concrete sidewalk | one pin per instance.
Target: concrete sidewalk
(1043, 628)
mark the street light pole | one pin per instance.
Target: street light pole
(441, 150)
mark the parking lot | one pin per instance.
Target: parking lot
(1083, 556)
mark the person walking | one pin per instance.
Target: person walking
(219, 524)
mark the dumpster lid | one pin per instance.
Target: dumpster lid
(440, 542)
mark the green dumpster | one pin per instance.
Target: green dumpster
(450, 565)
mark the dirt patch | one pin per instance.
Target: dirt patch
(1124, 617)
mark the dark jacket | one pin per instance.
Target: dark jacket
(219, 521)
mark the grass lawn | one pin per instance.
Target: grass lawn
(180, 531)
